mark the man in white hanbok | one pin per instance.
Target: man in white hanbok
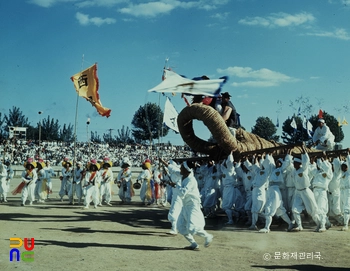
(145, 177)
(3, 183)
(40, 191)
(210, 189)
(245, 172)
(176, 201)
(274, 203)
(260, 184)
(303, 198)
(323, 138)
(322, 177)
(191, 220)
(345, 192)
(49, 173)
(230, 193)
(334, 192)
(9, 177)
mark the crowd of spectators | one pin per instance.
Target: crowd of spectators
(17, 152)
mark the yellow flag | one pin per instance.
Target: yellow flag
(344, 122)
(86, 84)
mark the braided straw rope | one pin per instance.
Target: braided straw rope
(243, 142)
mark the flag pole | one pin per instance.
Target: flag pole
(75, 137)
(160, 131)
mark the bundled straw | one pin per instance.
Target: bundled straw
(226, 142)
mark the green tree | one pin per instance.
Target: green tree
(50, 129)
(108, 137)
(16, 118)
(147, 122)
(66, 133)
(124, 136)
(292, 135)
(2, 128)
(95, 137)
(265, 128)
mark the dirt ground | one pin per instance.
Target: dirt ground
(134, 237)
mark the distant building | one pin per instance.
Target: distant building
(18, 132)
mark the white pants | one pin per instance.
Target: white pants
(334, 203)
(92, 194)
(106, 192)
(290, 198)
(322, 204)
(274, 203)
(3, 188)
(305, 199)
(174, 211)
(258, 199)
(28, 192)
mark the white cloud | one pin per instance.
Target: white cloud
(48, 3)
(84, 19)
(339, 33)
(261, 78)
(280, 19)
(145, 9)
(150, 9)
(154, 8)
(100, 3)
(220, 16)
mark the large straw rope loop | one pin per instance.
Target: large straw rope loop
(243, 142)
(212, 119)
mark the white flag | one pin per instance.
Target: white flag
(175, 83)
(309, 129)
(293, 124)
(170, 116)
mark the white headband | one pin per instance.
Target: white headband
(186, 166)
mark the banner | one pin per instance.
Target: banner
(86, 84)
(170, 116)
(308, 127)
(175, 83)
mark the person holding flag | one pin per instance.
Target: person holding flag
(76, 187)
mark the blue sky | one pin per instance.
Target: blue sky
(274, 53)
